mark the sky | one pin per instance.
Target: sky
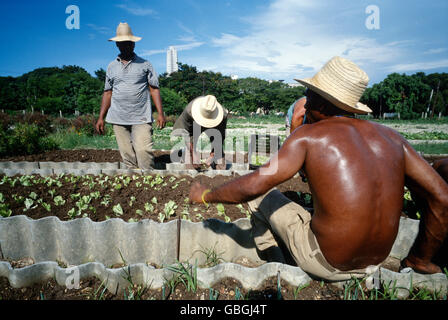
(267, 39)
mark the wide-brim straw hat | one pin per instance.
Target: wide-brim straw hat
(124, 33)
(207, 111)
(341, 82)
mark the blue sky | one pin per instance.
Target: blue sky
(268, 39)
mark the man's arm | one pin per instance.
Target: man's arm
(281, 167)
(422, 179)
(105, 105)
(155, 94)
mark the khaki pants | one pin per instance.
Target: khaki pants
(275, 213)
(136, 145)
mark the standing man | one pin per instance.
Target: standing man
(203, 113)
(130, 83)
(356, 171)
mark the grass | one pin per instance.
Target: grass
(185, 274)
(163, 141)
(431, 148)
(355, 289)
(212, 258)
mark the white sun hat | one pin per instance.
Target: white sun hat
(207, 111)
(341, 82)
(124, 33)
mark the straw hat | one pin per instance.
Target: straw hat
(207, 112)
(124, 33)
(341, 82)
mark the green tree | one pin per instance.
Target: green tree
(173, 103)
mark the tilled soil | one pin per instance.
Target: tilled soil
(135, 195)
(226, 289)
(93, 155)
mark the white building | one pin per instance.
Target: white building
(171, 60)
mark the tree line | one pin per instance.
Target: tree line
(72, 88)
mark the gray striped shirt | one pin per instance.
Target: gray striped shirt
(131, 101)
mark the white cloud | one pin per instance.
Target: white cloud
(286, 40)
(99, 29)
(137, 11)
(419, 66)
(181, 47)
(188, 46)
(435, 51)
(147, 53)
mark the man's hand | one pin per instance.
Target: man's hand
(196, 191)
(100, 126)
(161, 121)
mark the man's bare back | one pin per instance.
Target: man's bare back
(356, 209)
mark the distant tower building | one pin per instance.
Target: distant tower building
(171, 60)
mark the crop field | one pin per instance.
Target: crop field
(163, 198)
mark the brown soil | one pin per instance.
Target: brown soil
(134, 199)
(89, 155)
(226, 289)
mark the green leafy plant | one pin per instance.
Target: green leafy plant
(170, 208)
(106, 200)
(131, 202)
(244, 211)
(59, 201)
(28, 204)
(117, 209)
(5, 211)
(46, 206)
(149, 207)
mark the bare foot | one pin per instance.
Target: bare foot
(420, 266)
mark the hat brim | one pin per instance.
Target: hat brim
(205, 122)
(125, 38)
(359, 108)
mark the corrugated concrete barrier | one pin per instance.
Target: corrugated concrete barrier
(92, 248)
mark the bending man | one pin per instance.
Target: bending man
(203, 114)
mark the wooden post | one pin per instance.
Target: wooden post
(60, 113)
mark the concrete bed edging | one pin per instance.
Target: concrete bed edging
(89, 247)
(10, 168)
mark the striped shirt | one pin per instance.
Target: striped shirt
(131, 101)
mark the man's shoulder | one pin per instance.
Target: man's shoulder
(113, 63)
(139, 59)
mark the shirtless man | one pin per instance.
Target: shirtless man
(356, 172)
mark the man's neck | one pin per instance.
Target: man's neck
(126, 58)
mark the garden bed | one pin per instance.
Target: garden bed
(129, 197)
(132, 198)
